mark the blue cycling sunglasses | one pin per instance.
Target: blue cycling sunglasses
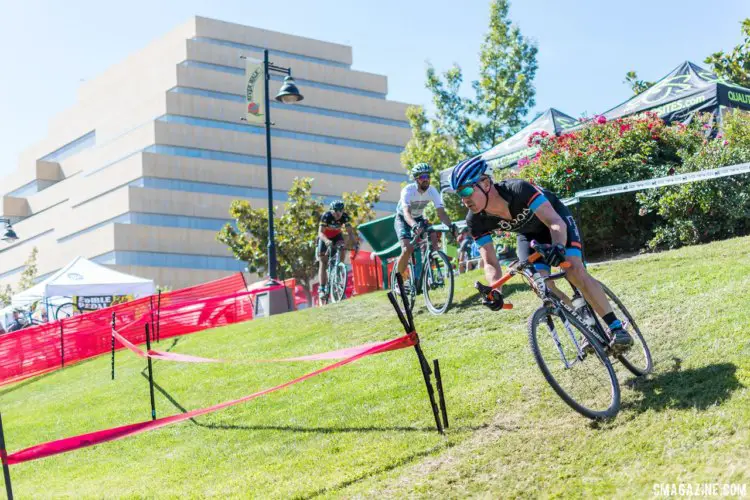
(423, 177)
(466, 191)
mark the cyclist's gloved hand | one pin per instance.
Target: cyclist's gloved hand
(454, 230)
(493, 300)
(416, 230)
(556, 255)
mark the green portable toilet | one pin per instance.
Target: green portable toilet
(382, 237)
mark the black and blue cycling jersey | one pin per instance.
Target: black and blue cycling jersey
(523, 200)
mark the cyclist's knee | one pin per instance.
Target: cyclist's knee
(406, 246)
(577, 271)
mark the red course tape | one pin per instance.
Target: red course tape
(93, 438)
(187, 358)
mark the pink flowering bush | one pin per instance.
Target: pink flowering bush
(602, 153)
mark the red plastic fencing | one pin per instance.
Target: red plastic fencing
(41, 349)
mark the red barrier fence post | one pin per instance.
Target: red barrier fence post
(157, 333)
(150, 373)
(62, 346)
(113, 345)
(4, 455)
(151, 305)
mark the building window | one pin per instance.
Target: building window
(73, 147)
(157, 259)
(250, 129)
(300, 82)
(302, 108)
(209, 154)
(280, 53)
(231, 190)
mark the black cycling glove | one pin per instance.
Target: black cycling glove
(556, 255)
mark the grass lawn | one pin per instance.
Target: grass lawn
(366, 429)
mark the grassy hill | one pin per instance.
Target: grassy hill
(366, 429)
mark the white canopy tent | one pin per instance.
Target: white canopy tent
(85, 278)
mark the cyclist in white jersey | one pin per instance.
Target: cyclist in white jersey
(410, 221)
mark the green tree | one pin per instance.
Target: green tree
(734, 66)
(26, 281)
(359, 206)
(435, 149)
(503, 93)
(638, 86)
(296, 230)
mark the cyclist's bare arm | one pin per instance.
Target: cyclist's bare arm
(557, 228)
(408, 217)
(322, 235)
(443, 216)
(492, 270)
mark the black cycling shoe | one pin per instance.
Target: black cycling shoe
(622, 341)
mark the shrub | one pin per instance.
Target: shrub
(602, 153)
(703, 211)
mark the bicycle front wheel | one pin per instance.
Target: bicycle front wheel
(586, 382)
(337, 284)
(437, 283)
(410, 288)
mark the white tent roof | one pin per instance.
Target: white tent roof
(86, 278)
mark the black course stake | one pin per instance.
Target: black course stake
(113, 345)
(4, 455)
(150, 374)
(441, 396)
(408, 323)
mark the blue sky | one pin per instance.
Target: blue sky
(585, 47)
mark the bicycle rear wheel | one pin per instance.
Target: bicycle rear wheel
(337, 283)
(586, 382)
(437, 283)
(637, 359)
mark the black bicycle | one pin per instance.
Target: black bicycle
(433, 277)
(572, 346)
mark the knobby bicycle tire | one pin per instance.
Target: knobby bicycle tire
(613, 407)
(426, 276)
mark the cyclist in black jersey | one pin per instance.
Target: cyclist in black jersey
(331, 238)
(534, 214)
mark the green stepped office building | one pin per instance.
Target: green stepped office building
(140, 173)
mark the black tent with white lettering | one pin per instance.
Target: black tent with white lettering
(686, 90)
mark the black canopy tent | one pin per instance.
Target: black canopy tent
(686, 90)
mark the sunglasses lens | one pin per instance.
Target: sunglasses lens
(423, 177)
(465, 192)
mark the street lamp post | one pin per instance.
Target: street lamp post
(9, 236)
(288, 94)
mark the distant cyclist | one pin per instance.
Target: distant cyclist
(534, 214)
(465, 242)
(410, 221)
(330, 238)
